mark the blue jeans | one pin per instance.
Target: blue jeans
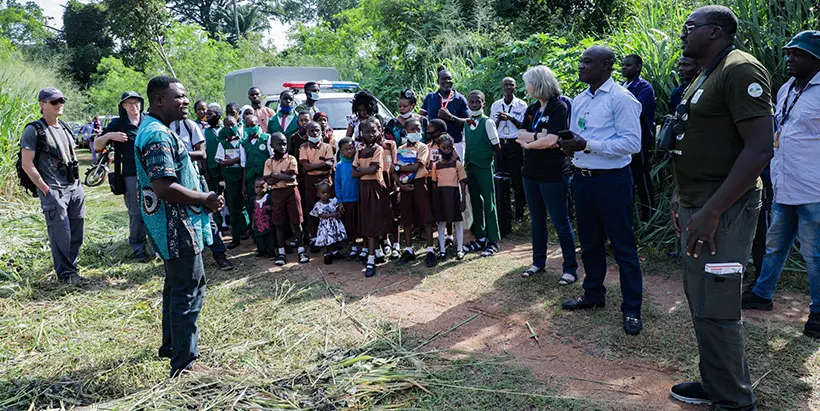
(603, 208)
(790, 222)
(182, 298)
(551, 199)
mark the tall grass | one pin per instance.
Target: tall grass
(19, 82)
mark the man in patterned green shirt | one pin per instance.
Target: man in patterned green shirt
(172, 204)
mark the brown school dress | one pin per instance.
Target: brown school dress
(375, 214)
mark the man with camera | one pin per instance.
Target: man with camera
(50, 142)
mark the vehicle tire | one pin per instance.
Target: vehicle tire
(96, 175)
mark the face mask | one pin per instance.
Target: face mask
(446, 156)
(476, 113)
(413, 137)
(285, 109)
(251, 131)
(314, 95)
(234, 131)
(315, 140)
(406, 115)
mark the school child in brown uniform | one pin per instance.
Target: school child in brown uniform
(410, 175)
(368, 165)
(448, 201)
(280, 173)
(316, 159)
(264, 232)
(390, 250)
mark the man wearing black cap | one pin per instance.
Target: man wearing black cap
(122, 131)
(56, 175)
(794, 171)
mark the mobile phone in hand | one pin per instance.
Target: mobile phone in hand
(566, 135)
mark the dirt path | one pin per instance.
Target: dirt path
(491, 322)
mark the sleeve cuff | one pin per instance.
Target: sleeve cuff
(595, 146)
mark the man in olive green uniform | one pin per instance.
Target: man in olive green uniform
(482, 143)
(254, 150)
(726, 142)
(228, 157)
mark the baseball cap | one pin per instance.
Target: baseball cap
(50, 94)
(808, 41)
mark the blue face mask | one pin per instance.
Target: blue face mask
(285, 109)
(413, 137)
(314, 95)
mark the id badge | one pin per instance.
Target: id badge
(582, 123)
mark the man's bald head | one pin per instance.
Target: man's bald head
(602, 53)
(596, 65)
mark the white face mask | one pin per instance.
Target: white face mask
(406, 115)
(476, 113)
(413, 137)
(314, 95)
(315, 140)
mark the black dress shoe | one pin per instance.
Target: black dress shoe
(233, 244)
(580, 304)
(690, 393)
(632, 325)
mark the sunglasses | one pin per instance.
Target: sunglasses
(688, 28)
(57, 102)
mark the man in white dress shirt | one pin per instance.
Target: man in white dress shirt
(606, 131)
(508, 113)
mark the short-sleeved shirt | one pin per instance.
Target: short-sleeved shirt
(161, 154)
(389, 153)
(435, 155)
(190, 133)
(124, 151)
(738, 89)
(546, 165)
(372, 158)
(449, 174)
(60, 145)
(456, 104)
(517, 108)
(319, 154)
(286, 165)
(420, 152)
(263, 115)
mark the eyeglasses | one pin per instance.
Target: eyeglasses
(57, 102)
(687, 28)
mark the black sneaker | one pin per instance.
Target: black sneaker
(690, 393)
(223, 262)
(380, 259)
(750, 301)
(370, 270)
(430, 259)
(490, 250)
(632, 325)
(74, 279)
(812, 328)
(233, 244)
(141, 258)
(328, 259)
(280, 260)
(406, 257)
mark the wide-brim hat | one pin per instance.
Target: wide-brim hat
(808, 41)
(131, 94)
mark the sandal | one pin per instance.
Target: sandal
(370, 270)
(460, 255)
(303, 258)
(490, 250)
(473, 247)
(567, 279)
(533, 270)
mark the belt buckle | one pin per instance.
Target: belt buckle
(586, 172)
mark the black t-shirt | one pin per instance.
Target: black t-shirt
(547, 165)
(124, 151)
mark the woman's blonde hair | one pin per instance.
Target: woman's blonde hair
(545, 85)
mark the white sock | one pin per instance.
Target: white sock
(430, 249)
(450, 237)
(396, 246)
(354, 249)
(442, 226)
(371, 259)
(300, 250)
(364, 250)
(379, 253)
(282, 250)
(410, 250)
(482, 240)
(458, 226)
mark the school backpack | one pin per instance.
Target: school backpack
(40, 129)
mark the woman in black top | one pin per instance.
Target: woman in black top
(122, 131)
(546, 171)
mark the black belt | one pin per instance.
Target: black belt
(595, 173)
(508, 140)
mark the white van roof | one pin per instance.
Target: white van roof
(270, 80)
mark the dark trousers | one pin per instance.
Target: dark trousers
(236, 207)
(64, 211)
(604, 209)
(510, 160)
(136, 226)
(218, 246)
(714, 302)
(763, 220)
(550, 199)
(182, 298)
(641, 167)
(216, 183)
(266, 243)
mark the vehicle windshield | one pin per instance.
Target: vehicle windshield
(337, 110)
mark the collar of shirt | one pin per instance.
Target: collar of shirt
(517, 108)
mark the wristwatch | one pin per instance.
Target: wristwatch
(397, 168)
(587, 150)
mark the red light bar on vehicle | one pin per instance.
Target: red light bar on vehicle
(324, 84)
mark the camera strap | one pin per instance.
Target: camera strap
(722, 55)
